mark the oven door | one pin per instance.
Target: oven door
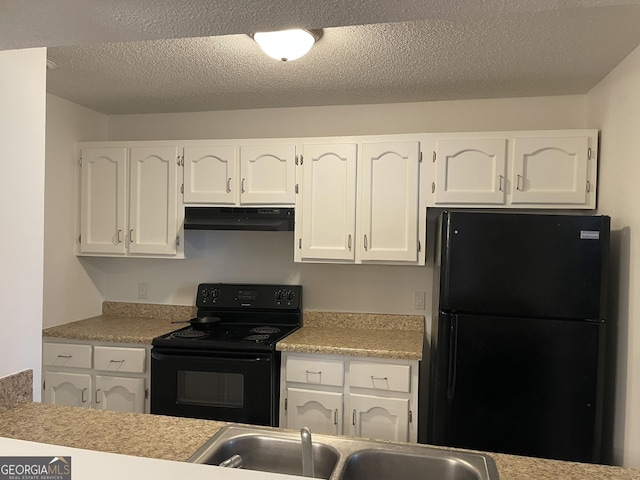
(237, 387)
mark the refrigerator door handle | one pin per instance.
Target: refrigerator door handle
(452, 361)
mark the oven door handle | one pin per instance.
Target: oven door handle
(183, 356)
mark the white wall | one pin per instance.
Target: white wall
(69, 290)
(452, 116)
(22, 137)
(614, 107)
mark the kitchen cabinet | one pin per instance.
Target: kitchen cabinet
(358, 396)
(319, 410)
(546, 169)
(389, 202)
(327, 210)
(360, 203)
(553, 170)
(129, 202)
(470, 171)
(235, 175)
(98, 376)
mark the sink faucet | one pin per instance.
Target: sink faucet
(307, 453)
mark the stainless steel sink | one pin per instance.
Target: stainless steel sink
(342, 458)
(266, 450)
(391, 465)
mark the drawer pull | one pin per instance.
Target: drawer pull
(116, 361)
(97, 391)
(65, 356)
(82, 397)
(335, 416)
(313, 372)
(353, 418)
(379, 378)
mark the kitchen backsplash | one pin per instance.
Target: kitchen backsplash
(148, 310)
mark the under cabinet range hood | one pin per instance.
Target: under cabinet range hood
(236, 218)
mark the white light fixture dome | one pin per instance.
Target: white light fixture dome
(287, 45)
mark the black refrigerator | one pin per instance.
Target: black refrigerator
(518, 334)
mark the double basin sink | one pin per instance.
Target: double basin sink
(341, 458)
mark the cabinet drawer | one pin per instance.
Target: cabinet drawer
(119, 359)
(66, 355)
(315, 371)
(380, 376)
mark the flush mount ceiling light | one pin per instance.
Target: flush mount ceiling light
(287, 45)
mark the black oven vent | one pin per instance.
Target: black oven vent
(238, 218)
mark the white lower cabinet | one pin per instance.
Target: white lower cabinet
(119, 393)
(101, 376)
(320, 411)
(379, 417)
(363, 397)
(66, 388)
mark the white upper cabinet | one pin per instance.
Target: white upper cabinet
(328, 208)
(129, 202)
(389, 202)
(232, 175)
(551, 170)
(210, 174)
(544, 169)
(103, 200)
(268, 175)
(470, 171)
(360, 202)
(153, 200)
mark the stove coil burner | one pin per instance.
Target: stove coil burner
(256, 338)
(189, 334)
(265, 329)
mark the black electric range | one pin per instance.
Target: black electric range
(224, 365)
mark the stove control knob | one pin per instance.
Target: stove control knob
(278, 296)
(210, 295)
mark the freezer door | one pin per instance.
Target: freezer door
(524, 264)
(519, 386)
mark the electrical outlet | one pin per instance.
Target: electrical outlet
(418, 300)
(143, 290)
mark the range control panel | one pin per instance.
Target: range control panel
(248, 296)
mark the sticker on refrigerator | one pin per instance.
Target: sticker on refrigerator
(589, 235)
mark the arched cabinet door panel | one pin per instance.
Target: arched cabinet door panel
(553, 170)
(318, 410)
(470, 171)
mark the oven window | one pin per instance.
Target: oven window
(217, 389)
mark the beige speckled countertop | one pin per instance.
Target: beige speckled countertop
(358, 334)
(173, 438)
(143, 435)
(336, 333)
(125, 323)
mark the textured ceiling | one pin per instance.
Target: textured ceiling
(378, 51)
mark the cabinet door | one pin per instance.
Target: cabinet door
(210, 175)
(318, 410)
(550, 170)
(267, 175)
(64, 388)
(470, 171)
(389, 202)
(153, 209)
(380, 417)
(103, 196)
(329, 202)
(119, 393)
